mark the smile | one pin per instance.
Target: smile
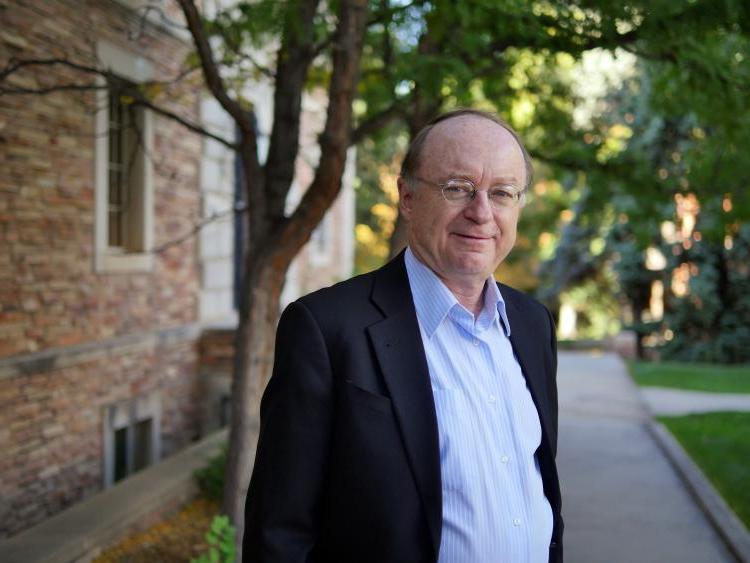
(474, 237)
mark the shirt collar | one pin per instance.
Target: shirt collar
(433, 300)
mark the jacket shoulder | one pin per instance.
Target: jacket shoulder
(520, 299)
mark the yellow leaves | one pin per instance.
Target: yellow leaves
(386, 215)
(546, 245)
(565, 60)
(388, 177)
(374, 242)
(548, 187)
(522, 112)
(566, 215)
(153, 90)
(597, 245)
(620, 131)
(177, 538)
(615, 141)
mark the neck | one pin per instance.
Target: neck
(470, 295)
(468, 290)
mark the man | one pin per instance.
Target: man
(412, 412)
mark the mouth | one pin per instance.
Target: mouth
(474, 237)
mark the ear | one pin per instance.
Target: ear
(405, 198)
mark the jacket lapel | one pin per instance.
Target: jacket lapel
(526, 344)
(398, 347)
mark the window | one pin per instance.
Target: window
(124, 168)
(131, 437)
(321, 242)
(124, 184)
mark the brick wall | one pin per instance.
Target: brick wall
(73, 341)
(51, 423)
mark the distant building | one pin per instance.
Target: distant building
(106, 345)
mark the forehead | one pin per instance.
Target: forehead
(473, 146)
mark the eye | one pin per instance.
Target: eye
(503, 194)
(457, 190)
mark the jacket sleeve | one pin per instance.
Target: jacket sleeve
(293, 445)
(552, 382)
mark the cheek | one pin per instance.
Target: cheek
(507, 225)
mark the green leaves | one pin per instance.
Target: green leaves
(220, 538)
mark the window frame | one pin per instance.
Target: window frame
(126, 415)
(135, 255)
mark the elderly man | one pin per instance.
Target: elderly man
(412, 412)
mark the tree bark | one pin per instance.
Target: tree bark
(254, 344)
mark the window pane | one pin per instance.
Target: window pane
(121, 454)
(123, 155)
(142, 447)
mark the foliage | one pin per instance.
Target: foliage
(663, 128)
(692, 376)
(659, 141)
(376, 197)
(712, 322)
(211, 477)
(718, 442)
(221, 542)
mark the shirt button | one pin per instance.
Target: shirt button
(476, 342)
(492, 399)
(516, 522)
(505, 459)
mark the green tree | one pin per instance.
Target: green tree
(686, 121)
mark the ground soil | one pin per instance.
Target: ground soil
(175, 540)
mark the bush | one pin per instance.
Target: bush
(211, 478)
(220, 539)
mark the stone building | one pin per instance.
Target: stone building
(111, 318)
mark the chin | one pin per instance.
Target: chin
(474, 267)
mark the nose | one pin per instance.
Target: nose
(479, 209)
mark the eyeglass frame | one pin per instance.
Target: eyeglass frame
(518, 200)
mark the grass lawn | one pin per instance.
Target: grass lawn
(720, 444)
(696, 377)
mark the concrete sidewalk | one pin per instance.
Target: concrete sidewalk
(622, 501)
(677, 402)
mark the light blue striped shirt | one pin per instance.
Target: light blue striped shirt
(494, 507)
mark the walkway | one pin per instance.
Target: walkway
(676, 402)
(622, 501)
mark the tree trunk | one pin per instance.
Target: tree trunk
(254, 344)
(273, 243)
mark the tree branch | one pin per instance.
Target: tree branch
(293, 61)
(139, 98)
(293, 232)
(210, 70)
(194, 127)
(377, 121)
(237, 208)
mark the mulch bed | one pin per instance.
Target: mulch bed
(175, 540)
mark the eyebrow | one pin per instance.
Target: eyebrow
(501, 181)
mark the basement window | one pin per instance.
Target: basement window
(131, 437)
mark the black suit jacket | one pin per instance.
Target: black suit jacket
(347, 467)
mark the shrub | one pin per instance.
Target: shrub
(211, 478)
(220, 539)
